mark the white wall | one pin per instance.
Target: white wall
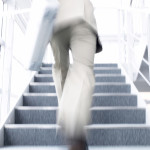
(107, 23)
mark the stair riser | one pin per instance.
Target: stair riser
(43, 79)
(97, 71)
(112, 89)
(40, 101)
(101, 116)
(105, 65)
(112, 100)
(129, 100)
(100, 136)
(97, 79)
(98, 89)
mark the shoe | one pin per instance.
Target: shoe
(79, 144)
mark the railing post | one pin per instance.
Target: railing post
(121, 43)
(148, 40)
(7, 52)
(120, 37)
(129, 49)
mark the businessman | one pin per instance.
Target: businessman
(74, 30)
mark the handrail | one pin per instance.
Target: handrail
(127, 9)
(145, 61)
(15, 12)
(147, 81)
(135, 10)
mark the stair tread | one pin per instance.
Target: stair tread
(66, 147)
(92, 126)
(43, 75)
(97, 83)
(97, 68)
(95, 94)
(97, 75)
(92, 108)
(39, 94)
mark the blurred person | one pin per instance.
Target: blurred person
(74, 29)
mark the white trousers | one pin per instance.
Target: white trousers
(75, 82)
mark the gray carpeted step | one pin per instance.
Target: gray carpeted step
(41, 87)
(114, 99)
(97, 70)
(46, 65)
(45, 70)
(96, 65)
(118, 115)
(109, 78)
(50, 99)
(43, 78)
(40, 99)
(106, 65)
(98, 78)
(115, 118)
(65, 147)
(99, 115)
(112, 88)
(97, 135)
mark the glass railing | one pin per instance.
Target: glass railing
(135, 39)
(13, 77)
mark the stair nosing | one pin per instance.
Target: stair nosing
(97, 68)
(91, 126)
(95, 94)
(42, 75)
(92, 108)
(39, 94)
(96, 83)
(96, 75)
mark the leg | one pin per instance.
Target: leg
(77, 93)
(60, 48)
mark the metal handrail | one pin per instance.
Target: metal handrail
(15, 12)
(145, 61)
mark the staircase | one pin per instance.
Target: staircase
(116, 118)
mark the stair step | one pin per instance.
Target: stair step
(111, 87)
(99, 115)
(96, 65)
(43, 78)
(65, 147)
(42, 87)
(98, 78)
(40, 99)
(44, 99)
(97, 70)
(115, 99)
(108, 135)
(106, 65)
(46, 65)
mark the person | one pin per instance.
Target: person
(75, 30)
